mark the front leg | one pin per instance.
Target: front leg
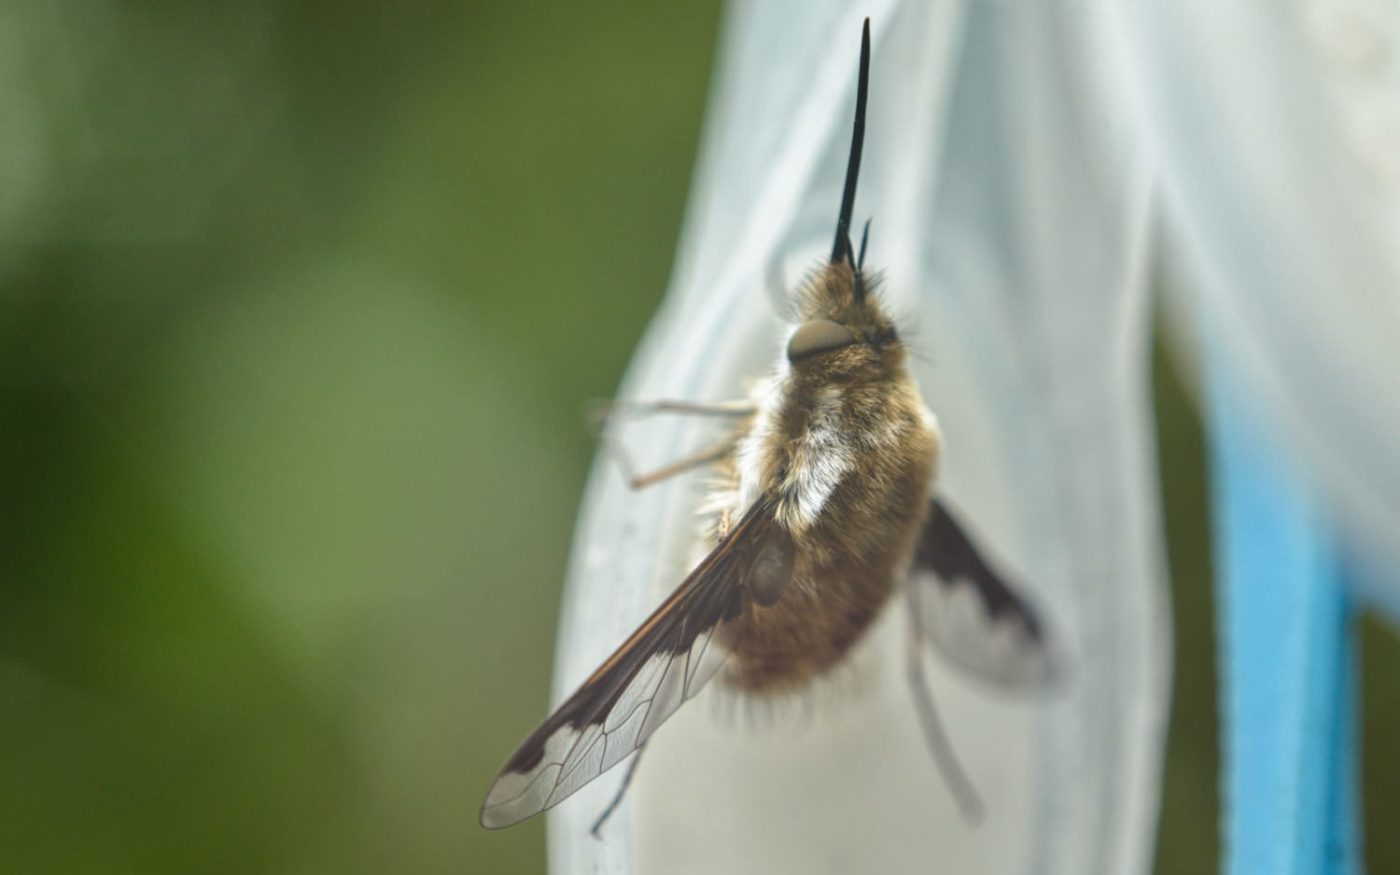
(707, 456)
(604, 411)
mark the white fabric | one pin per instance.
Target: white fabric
(1278, 130)
(1010, 219)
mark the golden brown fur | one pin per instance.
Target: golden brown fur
(847, 427)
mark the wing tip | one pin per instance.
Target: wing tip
(502, 813)
(488, 820)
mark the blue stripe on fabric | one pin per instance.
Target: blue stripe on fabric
(1288, 690)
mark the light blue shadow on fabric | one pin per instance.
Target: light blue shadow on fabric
(1287, 661)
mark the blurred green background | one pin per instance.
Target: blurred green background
(300, 307)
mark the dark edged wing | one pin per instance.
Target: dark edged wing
(970, 613)
(664, 663)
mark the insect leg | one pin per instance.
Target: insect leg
(621, 791)
(707, 456)
(959, 784)
(601, 412)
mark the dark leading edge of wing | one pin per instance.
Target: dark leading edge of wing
(967, 610)
(664, 663)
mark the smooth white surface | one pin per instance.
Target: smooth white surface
(1277, 129)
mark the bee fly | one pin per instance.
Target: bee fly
(823, 510)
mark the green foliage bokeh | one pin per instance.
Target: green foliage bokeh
(302, 303)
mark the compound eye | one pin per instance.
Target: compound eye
(818, 335)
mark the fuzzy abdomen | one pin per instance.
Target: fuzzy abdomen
(849, 553)
(810, 630)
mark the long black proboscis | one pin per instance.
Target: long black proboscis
(842, 247)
